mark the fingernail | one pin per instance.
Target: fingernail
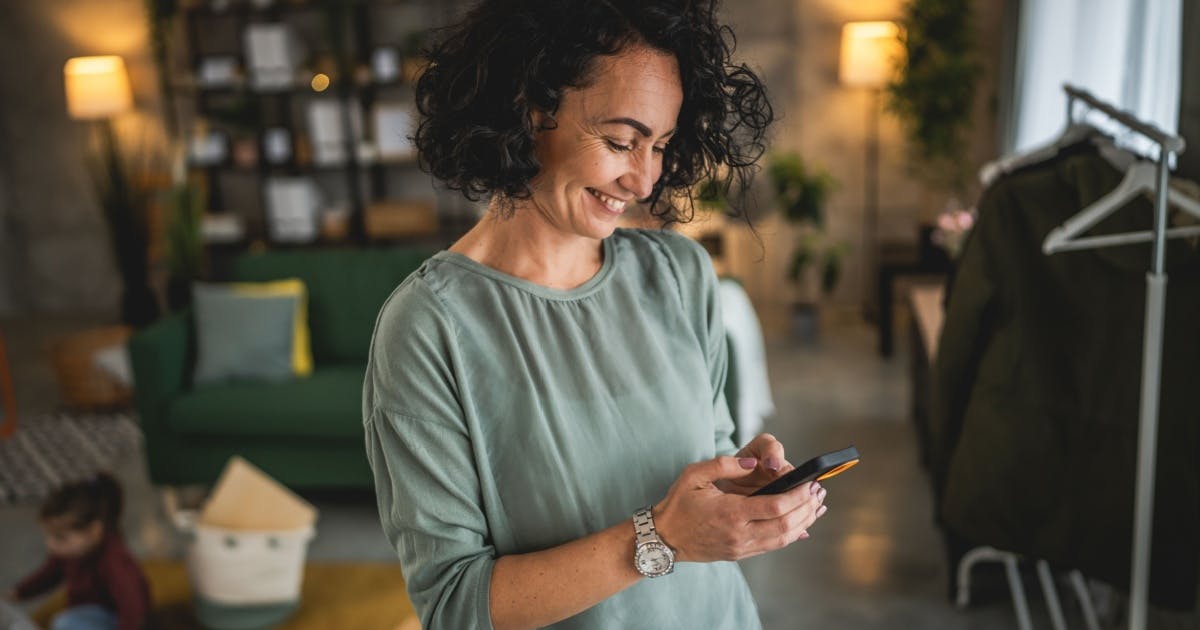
(821, 495)
(803, 535)
(771, 463)
(815, 488)
(748, 463)
(822, 510)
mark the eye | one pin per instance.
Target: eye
(660, 150)
(616, 146)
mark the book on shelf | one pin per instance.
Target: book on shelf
(327, 131)
(272, 54)
(292, 209)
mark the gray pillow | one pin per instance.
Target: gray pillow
(242, 337)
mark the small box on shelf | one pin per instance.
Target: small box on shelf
(208, 148)
(222, 228)
(400, 219)
(335, 223)
(218, 71)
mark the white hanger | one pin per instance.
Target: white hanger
(1140, 178)
(1073, 133)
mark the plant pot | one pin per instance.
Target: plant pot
(806, 322)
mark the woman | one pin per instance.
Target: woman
(535, 385)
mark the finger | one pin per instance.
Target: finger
(768, 450)
(783, 531)
(773, 506)
(724, 467)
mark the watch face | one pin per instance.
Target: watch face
(654, 559)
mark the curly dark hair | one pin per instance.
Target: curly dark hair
(96, 498)
(506, 58)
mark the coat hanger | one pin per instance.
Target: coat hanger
(1073, 133)
(1139, 179)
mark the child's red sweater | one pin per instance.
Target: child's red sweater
(109, 576)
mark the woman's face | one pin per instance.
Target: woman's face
(607, 148)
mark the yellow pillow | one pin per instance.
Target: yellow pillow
(302, 361)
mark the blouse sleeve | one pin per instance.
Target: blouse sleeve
(700, 293)
(427, 486)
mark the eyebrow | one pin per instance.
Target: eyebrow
(636, 124)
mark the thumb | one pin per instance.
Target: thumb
(725, 467)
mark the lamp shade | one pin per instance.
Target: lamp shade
(97, 87)
(870, 52)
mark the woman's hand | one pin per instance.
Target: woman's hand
(771, 464)
(705, 524)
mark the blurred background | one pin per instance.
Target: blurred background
(898, 290)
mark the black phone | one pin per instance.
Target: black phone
(817, 468)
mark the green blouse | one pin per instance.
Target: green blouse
(505, 417)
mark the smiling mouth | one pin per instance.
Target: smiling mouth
(612, 203)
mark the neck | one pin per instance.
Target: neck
(525, 244)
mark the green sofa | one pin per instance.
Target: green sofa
(307, 433)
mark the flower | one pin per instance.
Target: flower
(953, 226)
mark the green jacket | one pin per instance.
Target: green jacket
(1037, 385)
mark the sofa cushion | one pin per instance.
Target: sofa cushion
(242, 337)
(302, 361)
(346, 289)
(326, 404)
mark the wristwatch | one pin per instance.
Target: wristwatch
(651, 556)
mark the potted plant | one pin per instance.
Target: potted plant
(801, 192)
(934, 92)
(183, 207)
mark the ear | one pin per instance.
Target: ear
(540, 120)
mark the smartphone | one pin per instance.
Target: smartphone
(817, 468)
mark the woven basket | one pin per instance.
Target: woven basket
(84, 385)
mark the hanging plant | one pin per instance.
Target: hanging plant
(934, 92)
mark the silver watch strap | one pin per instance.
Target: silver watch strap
(643, 526)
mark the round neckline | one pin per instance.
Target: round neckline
(583, 290)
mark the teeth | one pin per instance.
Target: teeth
(616, 205)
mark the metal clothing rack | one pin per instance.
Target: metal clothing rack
(1156, 292)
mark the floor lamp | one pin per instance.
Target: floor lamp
(868, 57)
(97, 90)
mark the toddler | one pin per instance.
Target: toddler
(105, 586)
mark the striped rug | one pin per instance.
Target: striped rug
(49, 451)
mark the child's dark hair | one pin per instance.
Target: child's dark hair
(96, 498)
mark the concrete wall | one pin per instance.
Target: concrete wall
(57, 255)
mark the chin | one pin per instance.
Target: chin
(601, 230)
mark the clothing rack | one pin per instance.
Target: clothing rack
(1156, 292)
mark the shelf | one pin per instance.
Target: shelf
(288, 169)
(215, 42)
(242, 88)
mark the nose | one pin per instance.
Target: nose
(640, 177)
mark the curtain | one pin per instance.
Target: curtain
(1126, 52)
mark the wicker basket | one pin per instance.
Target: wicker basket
(84, 385)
